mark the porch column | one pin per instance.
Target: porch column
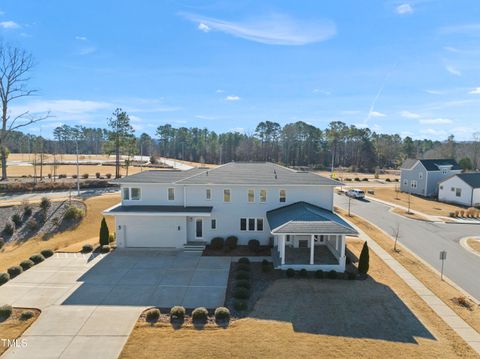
(342, 246)
(312, 249)
(336, 245)
(282, 249)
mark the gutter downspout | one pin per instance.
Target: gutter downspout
(184, 196)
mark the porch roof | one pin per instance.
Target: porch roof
(306, 218)
(154, 209)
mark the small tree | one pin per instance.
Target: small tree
(104, 233)
(363, 262)
(396, 235)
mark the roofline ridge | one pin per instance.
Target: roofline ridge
(202, 172)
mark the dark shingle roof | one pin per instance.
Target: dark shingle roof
(472, 179)
(160, 209)
(303, 217)
(431, 165)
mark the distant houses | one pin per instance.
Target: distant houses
(463, 189)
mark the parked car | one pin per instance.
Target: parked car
(356, 193)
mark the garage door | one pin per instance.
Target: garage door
(155, 232)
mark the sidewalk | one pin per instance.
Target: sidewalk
(427, 216)
(463, 329)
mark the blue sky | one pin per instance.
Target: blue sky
(408, 67)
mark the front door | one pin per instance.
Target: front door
(198, 228)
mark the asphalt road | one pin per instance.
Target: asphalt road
(426, 240)
(36, 196)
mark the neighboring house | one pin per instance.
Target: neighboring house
(293, 210)
(421, 177)
(463, 188)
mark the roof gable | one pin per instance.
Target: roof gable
(472, 179)
(431, 165)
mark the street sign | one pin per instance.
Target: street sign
(443, 255)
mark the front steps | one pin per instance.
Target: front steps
(194, 247)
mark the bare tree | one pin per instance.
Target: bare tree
(396, 235)
(15, 65)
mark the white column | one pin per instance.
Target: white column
(282, 249)
(336, 245)
(312, 248)
(342, 246)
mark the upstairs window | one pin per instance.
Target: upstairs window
(226, 195)
(458, 192)
(263, 195)
(171, 194)
(135, 194)
(126, 193)
(283, 195)
(208, 194)
(251, 196)
(413, 184)
(214, 224)
(420, 175)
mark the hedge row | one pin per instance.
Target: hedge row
(199, 315)
(24, 265)
(320, 274)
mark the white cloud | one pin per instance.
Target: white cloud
(87, 50)
(377, 114)
(232, 98)
(275, 29)
(453, 70)
(238, 129)
(62, 106)
(9, 25)
(435, 92)
(350, 112)
(203, 27)
(475, 91)
(465, 29)
(408, 114)
(81, 38)
(436, 121)
(2, 13)
(203, 117)
(220, 91)
(323, 92)
(451, 49)
(404, 9)
(433, 132)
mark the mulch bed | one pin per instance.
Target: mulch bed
(241, 251)
(187, 323)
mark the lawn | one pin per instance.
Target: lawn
(14, 253)
(13, 327)
(474, 243)
(316, 318)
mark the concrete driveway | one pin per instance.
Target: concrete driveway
(90, 303)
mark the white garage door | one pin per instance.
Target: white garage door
(155, 232)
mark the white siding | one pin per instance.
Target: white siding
(155, 194)
(445, 193)
(476, 197)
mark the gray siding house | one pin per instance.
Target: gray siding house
(421, 177)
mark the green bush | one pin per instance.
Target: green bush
(217, 243)
(8, 229)
(332, 274)
(111, 238)
(231, 243)
(26, 264)
(26, 315)
(17, 220)
(388, 180)
(303, 273)
(290, 273)
(47, 253)
(241, 293)
(37, 258)
(177, 312)
(242, 275)
(242, 283)
(14, 271)
(98, 175)
(73, 213)
(45, 204)
(152, 316)
(319, 274)
(104, 233)
(240, 305)
(27, 210)
(254, 245)
(5, 312)
(200, 315)
(243, 266)
(87, 248)
(105, 249)
(244, 260)
(356, 179)
(4, 278)
(85, 175)
(222, 315)
(363, 262)
(365, 179)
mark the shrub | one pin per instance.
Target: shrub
(63, 175)
(242, 275)
(356, 179)
(388, 180)
(45, 204)
(240, 305)
(47, 253)
(290, 273)
(363, 262)
(111, 238)
(332, 274)
(8, 229)
(37, 258)
(397, 180)
(451, 214)
(104, 233)
(177, 312)
(74, 176)
(27, 210)
(222, 315)
(108, 175)
(348, 179)
(97, 174)
(32, 224)
(26, 264)
(73, 212)
(152, 316)
(87, 248)
(254, 245)
(242, 283)
(85, 175)
(17, 220)
(303, 273)
(5, 312)
(14, 271)
(217, 243)
(231, 243)
(365, 179)
(26, 315)
(244, 260)
(244, 267)
(319, 274)
(200, 315)
(4, 278)
(241, 293)
(105, 249)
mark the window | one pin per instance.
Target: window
(263, 195)
(251, 224)
(283, 195)
(208, 194)
(243, 224)
(413, 184)
(126, 193)
(171, 194)
(458, 192)
(135, 194)
(214, 224)
(420, 175)
(251, 196)
(226, 195)
(405, 182)
(452, 189)
(441, 187)
(259, 224)
(444, 171)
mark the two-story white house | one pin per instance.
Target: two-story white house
(291, 210)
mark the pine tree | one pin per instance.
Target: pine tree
(363, 262)
(104, 234)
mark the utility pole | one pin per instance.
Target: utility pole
(78, 169)
(443, 258)
(349, 205)
(409, 201)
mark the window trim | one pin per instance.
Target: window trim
(252, 220)
(208, 194)
(139, 194)
(284, 197)
(256, 224)
(247, 221)
(126, 190)
(260, 196)
(229, 195)
(458, 192)
(212, 226)
(251, 191)
(243, 221)
(168, 194)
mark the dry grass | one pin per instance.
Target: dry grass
(29, 157)
(69, 170)
(416, 203)
(304, 318)
(13, 327)
(341, 175)
(474, 243)
(14, 253)
(410, 215)
(446, 292)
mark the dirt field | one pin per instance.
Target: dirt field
(298, 318)
(13, 327)
(341, 175)
(474, 243)
(69, 170)
(13, 253)
(416, 203)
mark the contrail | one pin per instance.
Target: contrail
(375, 99)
